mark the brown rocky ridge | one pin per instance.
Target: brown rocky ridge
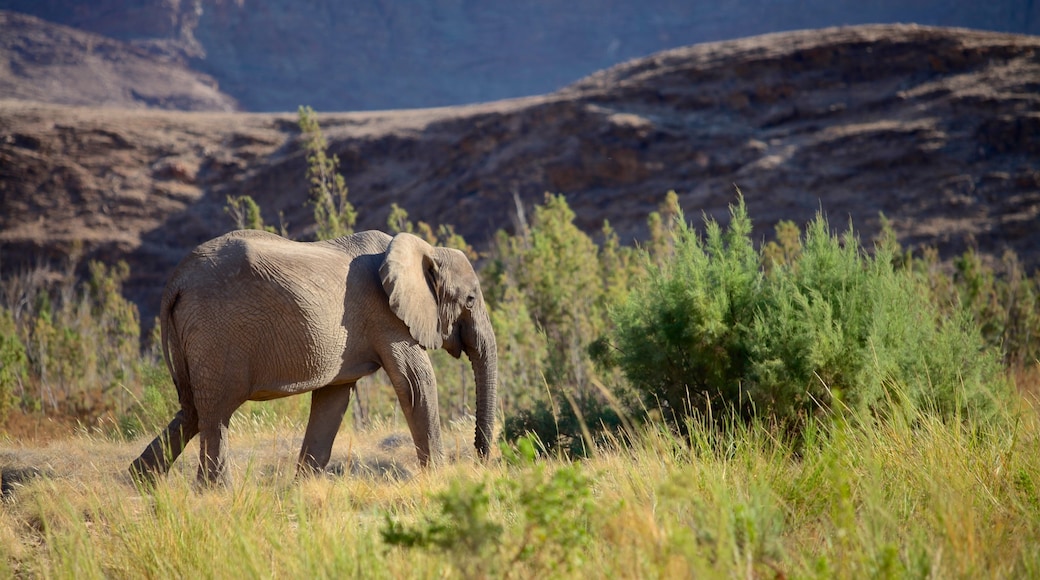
(937, 128)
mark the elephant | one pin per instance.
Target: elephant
(254, 316)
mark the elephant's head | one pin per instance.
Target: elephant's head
(436, 292)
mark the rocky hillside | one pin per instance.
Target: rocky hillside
(42, 61)
(274, 55)
(937, 128)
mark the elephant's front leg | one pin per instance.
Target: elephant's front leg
(328, 405)
(412, 375)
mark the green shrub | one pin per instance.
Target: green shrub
(81, 339)
(1003, 300)
(556, 510)
(554, 267)
(710, 332)
(462, 528)
(549, 289)
(552, 509)
(678, 337)
(115, 323)
(14, 364)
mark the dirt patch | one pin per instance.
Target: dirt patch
(37, 428)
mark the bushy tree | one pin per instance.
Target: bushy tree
(829, 325)
(550, 287)
(554, 266)
(661, 224)
(1004, 301)
(114, 328)
(678, 335)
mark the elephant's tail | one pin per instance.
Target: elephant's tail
(174, 354)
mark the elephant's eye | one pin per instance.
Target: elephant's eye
(470, 301)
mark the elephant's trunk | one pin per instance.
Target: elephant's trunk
(482, 351)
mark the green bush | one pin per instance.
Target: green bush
(246, 215)
(710, 332)
(1003, 300)
(70, 346)
(552, 507)
(678, 337)
(13, 363)
(555, 270)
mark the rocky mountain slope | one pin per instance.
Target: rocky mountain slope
(937, 128)
(274, 55)
(42, 61)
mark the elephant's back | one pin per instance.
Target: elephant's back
(263, 281)
(259, 307)
(245, 256)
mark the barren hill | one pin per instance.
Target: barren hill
(46, 62)
(935, 127)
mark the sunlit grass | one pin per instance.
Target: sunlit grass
(910, 496)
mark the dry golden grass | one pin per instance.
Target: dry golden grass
(912, 496)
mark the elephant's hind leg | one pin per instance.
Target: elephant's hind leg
(328, 405)
(213, 449)
(156, 459)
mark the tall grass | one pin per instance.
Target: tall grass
(908, 495)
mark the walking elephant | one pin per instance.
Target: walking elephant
(251, 316)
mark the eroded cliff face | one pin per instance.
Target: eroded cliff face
(937, 128)
(274, 55)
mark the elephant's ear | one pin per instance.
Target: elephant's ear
(408, 272)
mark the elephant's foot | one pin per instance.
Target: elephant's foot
(213, 473)
(305, 470)
(205, 481)
(313, 461)
(144, 473)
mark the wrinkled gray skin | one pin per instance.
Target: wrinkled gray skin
(251, 316)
